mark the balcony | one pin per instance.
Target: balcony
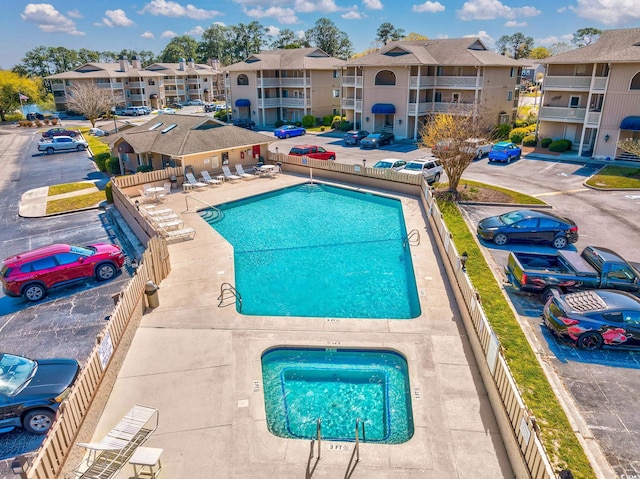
(351, 81)
(557, 113)
(351, 104)
(136, 84)
(136, 97)
(457, 107)
(295, 82)
(456, 82)
(57, 87)
(599, 84)
(193, 81)
(295, 102)
(419, 108)
(593, 118)
(424, 82)
(571, 83)
(269, 102)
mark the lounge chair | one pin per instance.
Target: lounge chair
(107, 456)
(190, 182)
(145, 197)
(167, 191)
(243, 174)
(206, 177)
(228, 175)
(152, 211)
(177, 235)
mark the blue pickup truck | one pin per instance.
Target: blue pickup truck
(569, 271)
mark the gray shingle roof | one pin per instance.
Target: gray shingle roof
(192, 134)
(287, 59)
(616, 46)
(449, 51)
(112, 70)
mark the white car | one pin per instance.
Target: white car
(480, 146)
(196, 102)
(429, 167)
(166, 110)
(98, 132)
(390, 163)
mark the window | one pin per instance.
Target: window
(43, 263)
(550, 224)
(455, 97)
(243, 79)
(635, 82)
(151, 82)
(336, 74)
(632, 317)
(574, 102)
(504, 118)
(513, 71)
(336, 93)
(67, 258)
(509, 95)
(581, 70)
(620, 271)
(385, 77)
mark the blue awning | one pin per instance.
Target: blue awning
(243, 102)
(384, 108)
(631, 123)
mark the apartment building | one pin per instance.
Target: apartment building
(283, 85)
(155, 86)
(592, 95)
(397, 87)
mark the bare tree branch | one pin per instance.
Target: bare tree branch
(91, 101)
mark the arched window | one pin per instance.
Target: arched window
(635, 82)
(243, 79)
(385, 77)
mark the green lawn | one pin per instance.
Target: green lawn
(75, 202)
(68, 188)
(616, 177)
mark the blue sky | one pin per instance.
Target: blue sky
(149, 24)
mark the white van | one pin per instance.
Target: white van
(134, 111)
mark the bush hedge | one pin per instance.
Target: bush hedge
(345, 125)
(101, 160)
(327, 120)
(545, 142)
(521, 123)
(113, 166)
(559, 146)
(517, 135)
(501, 132)
(108, 192)
(279, 123)
(529, 140)
(308, 121)
(144, 169)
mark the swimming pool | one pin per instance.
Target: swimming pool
(337, 386)
(316, 250)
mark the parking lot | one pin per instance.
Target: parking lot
(66, 322)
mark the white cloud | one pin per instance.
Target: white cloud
(75, 13)
(484, 36)
(515, 24)
(272, 31)
(174, 9)
(353, 15)
(49, 19)
(491, 9)
(610, 12)
(308, 6)
(442, 35)
(197, 30)
(372, 4)
(561, 9)
(547, 41)
(284, 15)
(116, 18)
(148, 35)
(168, 34)
(430, 7)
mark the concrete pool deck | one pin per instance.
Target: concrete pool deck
(199, 364)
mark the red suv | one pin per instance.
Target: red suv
(33, 273)
(312, 151)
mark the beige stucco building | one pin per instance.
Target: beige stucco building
(283, 85)
(155, 86)
(592, 95)
(397, 87)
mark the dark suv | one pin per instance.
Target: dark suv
(31, 391)
(244, 123)
(33, 273)
(312, 151)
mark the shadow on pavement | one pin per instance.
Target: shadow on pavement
(18, 442)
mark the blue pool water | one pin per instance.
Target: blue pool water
(338, 386)
(320, 251)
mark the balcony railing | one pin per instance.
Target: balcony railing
(136, 84)
(295, 102)
(294, 82)
(269, 102)
(456, 81)
(351, 81)
(424, 82)
(58, 87)
(599, 84)
(419, 108)
(556, 113)
(567, 83)
(593, 118)
(457, 107)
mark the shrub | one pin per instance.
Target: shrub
(560, 145)
(297, 123)
(113, 166)
(545, 142)
(327, 120)
(345, 125)
(308, 121)
(501, 132)
(279, 123)
(108, 192)
(517, 134)
(11, 117)
(531, 128)
(101, 160)
(529, 140)
(521, 123)
(144, 169)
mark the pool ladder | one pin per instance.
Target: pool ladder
(228, 291)
(214, 214)
(412, 238)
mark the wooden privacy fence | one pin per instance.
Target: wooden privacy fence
(522, 424)
(51, 456)
(127, 181)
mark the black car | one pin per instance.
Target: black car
(375, 140)
(35, 116)
(528, 226)
(596, 318)
(353, 137)
(31, 391)
(209, 107)
(244, 123)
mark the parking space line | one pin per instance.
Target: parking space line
(556, 193)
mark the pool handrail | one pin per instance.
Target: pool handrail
(413, 235)
(186, 202)
(319, 435)
(224, 287)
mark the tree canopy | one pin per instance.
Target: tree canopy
(515, 46)
(326, 36)
(12, 86)
(288, 39)
(179, 47)
(585, 36)
(387, 33)
(538, 53)
(91, 101)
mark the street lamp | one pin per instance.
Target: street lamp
(364, 163)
